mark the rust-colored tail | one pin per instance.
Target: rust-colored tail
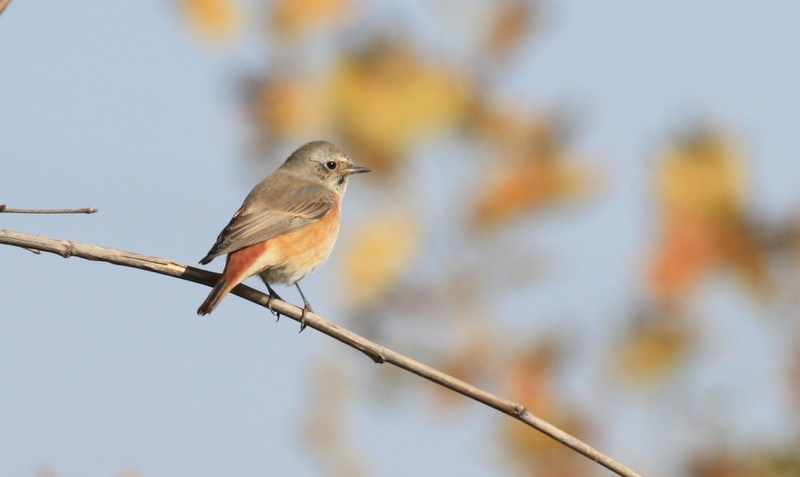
(237, 268)
(219, 292)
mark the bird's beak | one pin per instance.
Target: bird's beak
(356, 170)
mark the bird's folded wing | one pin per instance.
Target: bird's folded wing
(278, 213)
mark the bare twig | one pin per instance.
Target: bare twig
(378, 353)
(87, 210)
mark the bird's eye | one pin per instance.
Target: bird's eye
(331, 165)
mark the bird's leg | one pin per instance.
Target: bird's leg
(306, 308)
(273, 295)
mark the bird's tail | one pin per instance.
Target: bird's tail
(219, 292)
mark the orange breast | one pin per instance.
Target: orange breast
(309, 246)
(289, 257)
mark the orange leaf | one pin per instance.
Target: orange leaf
(689, 247)
(213, 19)
(702, 188)
(293, 17)
(526, 187)
(513, 21)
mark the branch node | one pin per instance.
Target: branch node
(520, 410)
(34, 250)
(377, 356)
(69, 249)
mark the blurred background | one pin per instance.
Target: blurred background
(586, 207)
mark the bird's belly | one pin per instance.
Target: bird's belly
(289, 257)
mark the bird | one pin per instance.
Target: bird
(287, 225)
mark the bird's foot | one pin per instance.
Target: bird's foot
(273, 295)
(306, 309)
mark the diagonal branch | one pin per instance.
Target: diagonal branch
(378, 353)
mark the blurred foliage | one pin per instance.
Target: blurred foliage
(533, 171)
(387, 97)
(706, 225)
(532, 380)
(514, 21)
(759, 462)
(380, 100)
(446, 243)
(653, 347)
(214, 20)
(327, 425)
(381, 252)
(293, 18)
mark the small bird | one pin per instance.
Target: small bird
(287, 225)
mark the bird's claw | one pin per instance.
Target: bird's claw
(272, 296)
(303, 317)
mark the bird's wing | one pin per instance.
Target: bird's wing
(269, 212)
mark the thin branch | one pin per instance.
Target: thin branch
(87, 210)
(3, 5)
(378, 353)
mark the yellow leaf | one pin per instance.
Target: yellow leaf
(701, 183)
(378, 256)
(386, 98)
(702, 175)
(213, 19)
(653, 348)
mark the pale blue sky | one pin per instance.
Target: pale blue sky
(114, 105)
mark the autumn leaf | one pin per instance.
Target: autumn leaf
(687, 249)
(290, 18)
(387, 99)
(513, 20)
(702, 175)
(381, 252)
(654, 347)
(536, 171)
(701, 183)
(214, 20)
(530, 382)
(774, 462)
(523, 188)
